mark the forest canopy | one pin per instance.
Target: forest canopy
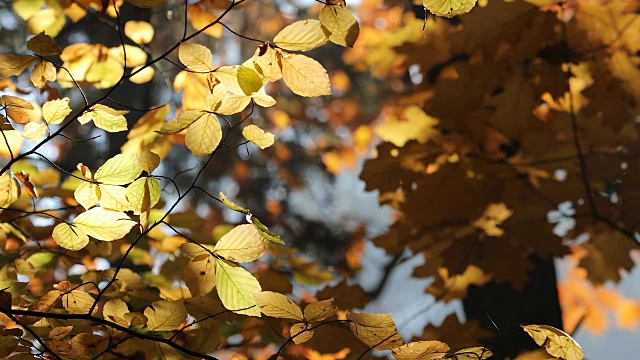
(209, 179)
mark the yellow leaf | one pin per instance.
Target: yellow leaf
(302, 35)
(165, 315)
(196, 57)
(204, 135)
(14, 65)
(249, 80)
(277, 305)
(77, 302)
(34, 131)
(182, 122)
(236, 287)
(70, 238)
(449, 8)
(55, 111)
(342, 25)
(148, 160)
(27, 8)
(104, 224)
(242, 244)
(113, 197)
(42, 72)
(50, 21)
(87, 194)
(119, 170)
(376, 330)
(257, 136)
(231, 205)
(200, 18)
(200, 275)
(412, 124)
(9, 190)
(266, 62)
(43, 45)
(105, 118)
(320, 310)
(304, 76)
(299, 334)
(141, 32)
(418, 350)
(194, 250)
(114, 310)
(261, 98)
(557, 342)
(136, 193)
(143, 76)
(223, 102)
(494, 215)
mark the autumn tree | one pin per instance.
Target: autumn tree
(122, 120)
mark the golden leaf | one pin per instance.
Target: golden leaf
(342, 25)
(375, 330)
(165, 315)
(304, 76)
(277, 305)
(200, 275)
(302, 35)
(258, 136)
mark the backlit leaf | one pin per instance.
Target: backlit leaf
(418, 350)
(204, 135)
(77, 302)
(302, 35)
(43, 72)
(266, 62)
(341, 23)
(148, 160)
(449, 8)
(557, 342)
(104, 224)
(320, 310)
(196, 57)
(114, 310)
(165, 315)
(9, 190)
(304, 76)
(34, 131)
(242, 244)
(376, 330)
(141, 32)
(299, 334)
(70, 238)
(113, 197)
(182, 122)
(277, 305)
(14, 65)
(55, 111)
(119, 170)
(200, 275)
(236, 287)
(136, 193)
(258, 136)
(231, 205)
(87, 194)
(44, 304)
(105, 118)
